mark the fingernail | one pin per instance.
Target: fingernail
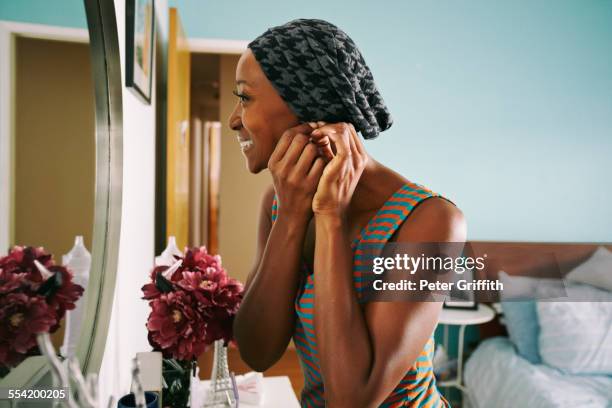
(313, 125)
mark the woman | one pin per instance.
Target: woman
(304, 92)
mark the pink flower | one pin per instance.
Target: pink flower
(66, 295)
(199, 291)
(176, 327)
(21, 318)
(21, 259)
(10, 281)
(29, 303)
(200, 258)
(150, 291)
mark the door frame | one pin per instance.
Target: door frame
(9, 31)
(216, 46)
(196, 46)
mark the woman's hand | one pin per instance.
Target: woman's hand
(296, 169)
(341, 174)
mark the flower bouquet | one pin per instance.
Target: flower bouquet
(34, 296)
(193, 303)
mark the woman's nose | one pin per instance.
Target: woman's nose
(235, 121)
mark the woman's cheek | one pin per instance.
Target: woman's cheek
(248, 121)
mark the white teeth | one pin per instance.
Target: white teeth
(246, 144)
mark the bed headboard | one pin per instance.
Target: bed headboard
(536, 259)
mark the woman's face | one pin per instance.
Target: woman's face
(260, 116)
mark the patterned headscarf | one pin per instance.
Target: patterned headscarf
(319, 72)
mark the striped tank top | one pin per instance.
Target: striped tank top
(417, 389)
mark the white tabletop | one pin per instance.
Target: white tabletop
(480, 315)
(278, 393)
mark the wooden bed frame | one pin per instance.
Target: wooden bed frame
(534, 259)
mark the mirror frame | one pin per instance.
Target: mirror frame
(107, 80)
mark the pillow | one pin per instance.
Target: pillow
(576, 337)
(520, 315)
(596, 271)
(522, 323)
(519, 287)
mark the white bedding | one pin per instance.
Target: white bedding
(497, 377)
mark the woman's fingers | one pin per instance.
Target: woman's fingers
(338, 134)
(295, 149)
(316, 170)
(357, 140)
(309, 154)
(285, 141)
(357, 157)
(326, 152)
(324, 147)
(350, 152)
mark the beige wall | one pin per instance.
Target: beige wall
(54, 156)
(241, 191)
(54, 145)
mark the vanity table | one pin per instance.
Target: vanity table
(278, 393)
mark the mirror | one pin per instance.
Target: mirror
(60, 141)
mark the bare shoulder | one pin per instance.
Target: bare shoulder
(435, 220)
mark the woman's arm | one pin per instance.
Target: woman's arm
(265, 320)
(364, 355)
(264, 323)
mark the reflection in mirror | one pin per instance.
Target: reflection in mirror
(51, 188)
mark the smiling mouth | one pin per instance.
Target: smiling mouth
(245, 144)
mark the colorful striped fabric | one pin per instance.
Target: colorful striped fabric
(417, 389)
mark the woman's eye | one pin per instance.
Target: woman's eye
(243, 97)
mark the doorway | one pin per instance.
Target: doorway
(239, 192)
(49, 165)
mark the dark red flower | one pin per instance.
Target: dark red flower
(10, 281)
(66, 295)
(198, 257)
(219, 326)
(203, 294)
(21, 259)
(21, 318)
(39, 302)
(176, 276)
(176, 327)
(150, 291)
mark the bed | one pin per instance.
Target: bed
(497, 377)
(561, 354)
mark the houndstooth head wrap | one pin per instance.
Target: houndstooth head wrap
(320, 73)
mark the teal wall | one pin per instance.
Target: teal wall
(64, 13)
(503, 106)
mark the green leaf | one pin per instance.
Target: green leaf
(163, 284)
(50, 286)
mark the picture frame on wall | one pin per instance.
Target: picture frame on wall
(139, 35)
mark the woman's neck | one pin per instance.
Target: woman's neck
(374, 187)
